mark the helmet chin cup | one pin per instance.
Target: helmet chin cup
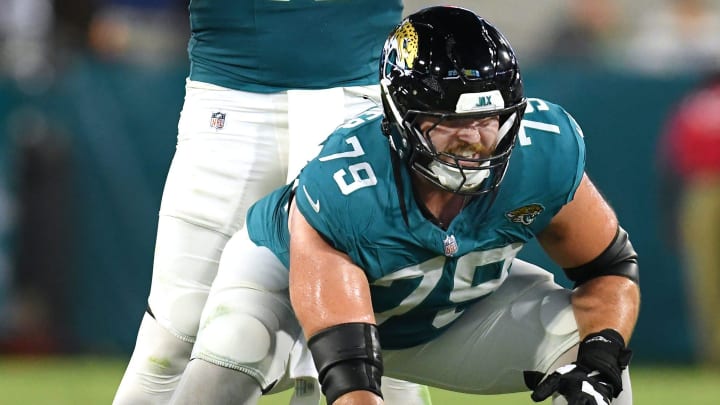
(456, 179)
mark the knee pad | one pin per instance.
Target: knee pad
(251, 344)
(250, 331)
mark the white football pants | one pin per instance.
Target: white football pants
(527, 324)
(233, 148)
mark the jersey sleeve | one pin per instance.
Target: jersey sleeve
(577, 149)
(561, 147)
(319, 202)
(337, 192)
(548, 161)
(327, 190)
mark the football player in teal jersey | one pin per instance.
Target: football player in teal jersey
(394, 251)
(268, 81)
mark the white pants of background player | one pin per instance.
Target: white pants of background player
(527, 324)
(233, 148)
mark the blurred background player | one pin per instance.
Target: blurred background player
(268, 81)
(690, 159)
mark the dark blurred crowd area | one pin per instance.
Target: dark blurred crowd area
(46, 44)
(42, 42)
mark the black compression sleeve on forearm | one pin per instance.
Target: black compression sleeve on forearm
(347, 357)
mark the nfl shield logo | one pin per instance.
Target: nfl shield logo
(217, 120)
(450, 244)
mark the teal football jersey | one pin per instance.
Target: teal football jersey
(267, 46)
(421, 276)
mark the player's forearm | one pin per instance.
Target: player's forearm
(607, 302)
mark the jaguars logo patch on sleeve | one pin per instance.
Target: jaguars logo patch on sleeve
(525, 215)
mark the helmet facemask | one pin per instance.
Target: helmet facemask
(460, 174)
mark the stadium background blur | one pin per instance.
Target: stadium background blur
(89, 98)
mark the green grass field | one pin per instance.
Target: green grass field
(87, 381)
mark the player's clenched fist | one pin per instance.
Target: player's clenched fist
(594, 379)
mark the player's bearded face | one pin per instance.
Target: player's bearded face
(470, 138)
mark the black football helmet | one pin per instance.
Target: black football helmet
(448, 63)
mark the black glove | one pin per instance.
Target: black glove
(594, 379)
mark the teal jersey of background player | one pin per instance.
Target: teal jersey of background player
(421, 276)
(265, 46)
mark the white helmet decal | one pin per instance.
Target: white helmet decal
(478, 102)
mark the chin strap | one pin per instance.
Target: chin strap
(396, 164)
